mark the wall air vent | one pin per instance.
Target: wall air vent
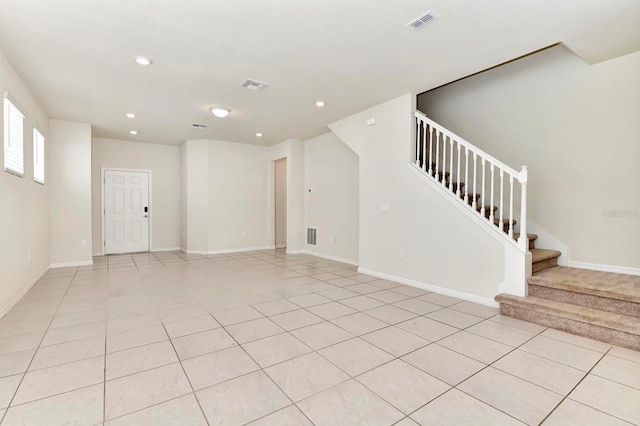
(254, 85)
(311, 236)
(422, 20)
(199, 126)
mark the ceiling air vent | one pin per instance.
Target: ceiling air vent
(199, 126)
(254, 85)
(422, 20)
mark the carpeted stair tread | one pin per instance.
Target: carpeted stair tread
(538, 255)
(623, 323)
(531, 237)
(596, 283)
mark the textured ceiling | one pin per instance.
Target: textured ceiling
(77, 56)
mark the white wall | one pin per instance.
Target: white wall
(331, 172)
(443, 248)
(24, 204)
(576, 126)
(165, 199)
(281, 202)
(225, 196)
(70, 193)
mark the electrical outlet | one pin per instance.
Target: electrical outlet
(401, 254)
(29, 256)
(83, 243)
(244, 233)
(332, 239)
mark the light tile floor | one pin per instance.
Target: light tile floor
(273, 339)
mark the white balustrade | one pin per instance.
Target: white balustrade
(475, 180)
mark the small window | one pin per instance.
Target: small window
(38, 156)
(13, 138)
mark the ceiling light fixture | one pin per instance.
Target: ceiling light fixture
(259, 135)
(320, 104)
(130, 115)
(220, 111)
(141, 60)
(133, 132)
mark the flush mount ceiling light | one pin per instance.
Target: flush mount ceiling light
(141, 60)
(133, 132)
(130, 115)
(259, 135)
(320, 104)
(220, 111)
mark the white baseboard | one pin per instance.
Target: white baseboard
(223, 251)
(71, 264)
(433, 288)
(97, 254)
(166, 249)
(15, 299)
(324, 256)
(605, 268)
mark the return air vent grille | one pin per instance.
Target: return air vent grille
(254, 85)
(422, 20)
(311, 236)
(199, 126)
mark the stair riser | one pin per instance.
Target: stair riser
(591, 331)
(544, 264)
(587, 300)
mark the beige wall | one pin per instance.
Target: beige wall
(70, 193)
(443, 247)
(24, 204)
(165, 198)
(576, 126)
(331, 172)
(281, 202)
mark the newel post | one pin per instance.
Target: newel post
(523, 239)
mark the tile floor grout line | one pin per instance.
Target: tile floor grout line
(38, 348)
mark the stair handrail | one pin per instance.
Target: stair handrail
(521, 176)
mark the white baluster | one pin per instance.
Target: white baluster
(418, 121)
(458, 189)
(466, 171)
(511, 206)
(430, 158)
(437, 154)
(491, 217)
(501, 198)
(424, 148)
(444, 160)
(482, 189)
(523, 240)
(451, 165)
(466, 193)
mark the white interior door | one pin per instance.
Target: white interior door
(126, 211)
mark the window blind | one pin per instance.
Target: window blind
(13, 138)
(38, 156)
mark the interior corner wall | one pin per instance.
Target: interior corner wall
(70, 193)
(24, 204)
(293, 151)
(165, 198)
(184, 217)
(331, 196)
(442, 247)
(196, 161)
(576, 126)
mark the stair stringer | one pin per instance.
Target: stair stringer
(517, 264)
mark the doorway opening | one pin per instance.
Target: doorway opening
(280, 180)
(125, 211)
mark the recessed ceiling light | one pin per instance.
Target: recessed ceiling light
(133, 132)
(259, 135)
(220, 111)
(320, 104)
(141, 60)
(130, 115)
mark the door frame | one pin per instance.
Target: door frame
(102, 207)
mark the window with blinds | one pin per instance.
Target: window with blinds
(13, 138)
(38, 156)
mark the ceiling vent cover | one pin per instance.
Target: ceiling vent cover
(422, 20)
(199, 126)
(254, 85)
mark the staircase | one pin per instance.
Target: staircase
(599, 305)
